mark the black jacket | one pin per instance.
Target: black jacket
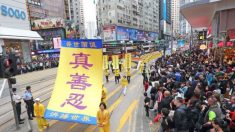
(165, 103)
(181, 119)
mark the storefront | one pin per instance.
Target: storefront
(15, 34)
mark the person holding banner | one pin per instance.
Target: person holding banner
(103, 118)
(104, 94)
(106, 72)
(39, 113)
(128, 74)
(124, 84)
(117, 76)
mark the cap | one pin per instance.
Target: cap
(37, 99)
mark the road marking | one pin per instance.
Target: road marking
(110, 109)
(3, 85)
(130, 123)
(127, 114)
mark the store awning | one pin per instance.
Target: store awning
(199, 14)
(10, 33)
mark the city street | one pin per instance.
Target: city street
(127, 112)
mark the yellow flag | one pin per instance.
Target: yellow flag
(115, 61)
(128, 60)
(77, 91)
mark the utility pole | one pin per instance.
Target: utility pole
(172, 37)
(191, 39)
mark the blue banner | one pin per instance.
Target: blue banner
(82, 43)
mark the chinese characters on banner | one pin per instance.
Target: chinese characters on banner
(105, 62)
(115, 61)
(77, 91)
(128, 60)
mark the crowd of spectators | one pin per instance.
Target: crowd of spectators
(191, 91)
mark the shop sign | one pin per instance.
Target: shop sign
(109, 33)
(47, 23)
(11, 12)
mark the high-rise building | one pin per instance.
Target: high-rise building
(165, 19)
(90, 29)
(75, 14)
(137, 14)
(175, 15)
(39, 9)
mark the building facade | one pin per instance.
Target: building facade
(75, 14)
(90, 29)
(175, 15)
(137, 14)
(165, 19)
(39, 9)
(15, 33)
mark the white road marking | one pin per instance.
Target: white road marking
(3, 85)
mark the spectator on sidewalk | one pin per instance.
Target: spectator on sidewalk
(17, 100)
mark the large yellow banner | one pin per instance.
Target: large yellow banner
(105, 62)
(115, 61)
(77, 91)
(128, 60)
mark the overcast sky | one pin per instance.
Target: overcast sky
(89, 10)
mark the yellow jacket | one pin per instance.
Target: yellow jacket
(103, 117)
(117, 73)
(39, 110)
(124, 82)
(128, 73)
(104, 93)
(106, 72)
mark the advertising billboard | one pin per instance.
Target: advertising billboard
(133, 34)
(72, 30)
(109, 33)
(152, 36)
(140, 35)
(122, 33)
(47, 23)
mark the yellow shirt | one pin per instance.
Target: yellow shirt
(104, 93)
(106, 72)
(124, 82)
(117, 73)
(128, 73)
(103, 117)
(39, 110)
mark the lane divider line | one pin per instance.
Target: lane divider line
(127, 114)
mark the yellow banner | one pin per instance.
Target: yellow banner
(128, 60)
(105, 62)
(115, 61)
(77, 91)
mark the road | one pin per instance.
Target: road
(128, 114)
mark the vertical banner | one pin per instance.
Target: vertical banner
(128, 60)
(77, 91)
(105, 62)
(115, 61)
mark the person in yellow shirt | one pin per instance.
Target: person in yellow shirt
(106, 72)
(117, 76)
(104, 94)
(39, 113)
(124, 84)
(103, 118)
(128, 74)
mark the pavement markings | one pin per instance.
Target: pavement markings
(130, 122)
(127, 114)
(110, 109)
